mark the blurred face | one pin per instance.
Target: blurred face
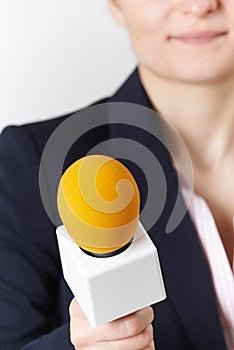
(184, 40)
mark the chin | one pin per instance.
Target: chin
(198, 76)
(203, 76)
(198, 72)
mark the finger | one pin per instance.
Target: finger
(124, 327)
(143, 340)
(150, 347)
(75, 309)
(79, 325)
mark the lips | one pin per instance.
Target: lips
(198, 37)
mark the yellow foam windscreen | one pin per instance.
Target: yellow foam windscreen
(99, 203)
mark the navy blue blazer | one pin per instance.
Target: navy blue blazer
(34, 297)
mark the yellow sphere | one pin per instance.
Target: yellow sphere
(99, 203)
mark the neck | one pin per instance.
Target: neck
(202, 114)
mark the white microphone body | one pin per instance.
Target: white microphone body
(108, 288)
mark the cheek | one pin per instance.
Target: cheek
(146, 36)
(147, 22)
(150, 46)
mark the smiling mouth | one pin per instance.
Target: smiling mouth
(196, 38)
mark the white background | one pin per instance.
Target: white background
(57, 56)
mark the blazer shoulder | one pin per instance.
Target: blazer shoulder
(39, 132)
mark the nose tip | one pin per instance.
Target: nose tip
(200, 7)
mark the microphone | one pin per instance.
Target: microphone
(108, 260)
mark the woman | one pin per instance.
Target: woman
(185, 50)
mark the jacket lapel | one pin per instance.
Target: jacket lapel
(184, 266)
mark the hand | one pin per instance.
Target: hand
(131, 332)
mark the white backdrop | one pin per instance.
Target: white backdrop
(57, 56)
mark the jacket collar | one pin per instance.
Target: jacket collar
(185, 270)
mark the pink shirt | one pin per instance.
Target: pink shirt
(221, 272)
